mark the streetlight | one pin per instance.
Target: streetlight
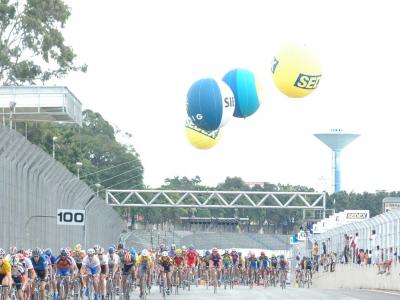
(78, 165)
(12, 107)
(54, 146)
(98, 186)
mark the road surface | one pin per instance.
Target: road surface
(259, 293)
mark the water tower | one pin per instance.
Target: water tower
(337, 140)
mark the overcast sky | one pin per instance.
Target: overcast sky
(144, 55)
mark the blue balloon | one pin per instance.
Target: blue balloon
(246, 90)
(210, 104)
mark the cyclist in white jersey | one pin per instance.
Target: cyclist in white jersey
(104, 271)
(114, 266)
(91, 268)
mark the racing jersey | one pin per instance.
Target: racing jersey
(39, 265)
(178, 260)
(64, 262)
(113, 259)
(143, 260)
(191, 257)
(264, 261)
(282, 264)
(103, 259)
(206, 260)
(78, 256)
(215, 259)
(5, 267)
(126, 259)
(18, 271)
(235, 258)
(274, 261)
(253, 262)
(165, 262)
(226, 260)
(171, 253)
(91, 262)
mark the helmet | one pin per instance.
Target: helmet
(162, 247)
(13, 250)
(273, 255)
(2, 253)
(191, 247)
(111, 250)
(37, 252)
(184, 248)
(48, 252)
(282, 256)
(214, 249)
(178, 252)
(96, 248)
(91, 251)
(101, 251)
(14, 260)
(233, 250)
(120, 246)
(164, 254)
(63, 252)
(132, 251)
(173, 247)
(208, 252)
(78, 248)
(68, 249)
(262, 253)
(145, 252)
(226, 251)
(240, 253)
(297, 257)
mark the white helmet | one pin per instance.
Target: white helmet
(164, 254)
(90, 251)
(145, 252)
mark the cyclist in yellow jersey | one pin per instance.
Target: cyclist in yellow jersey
(5, 274)
(144, 266)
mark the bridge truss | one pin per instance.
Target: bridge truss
(216, 199)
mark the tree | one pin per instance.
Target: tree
(32, 46)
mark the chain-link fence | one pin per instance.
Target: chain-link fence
(33, 186)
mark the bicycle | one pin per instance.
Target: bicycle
(214, 279)
(282, 279)
(76, 288)
(64, 283)
(308, 277)
(163, 281)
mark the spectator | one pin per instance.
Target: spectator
(369, 257)
(315, 254)
(346, 248)
(361, 254)
(372, 239)
(388, 260)
(378, 259)
(324, 248)
(366, 257)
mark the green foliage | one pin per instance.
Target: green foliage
(94, 145)
(32, 46)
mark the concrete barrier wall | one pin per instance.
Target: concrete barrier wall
(33, 186)
(353, 276)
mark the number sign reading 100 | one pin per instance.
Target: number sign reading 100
(70, 217)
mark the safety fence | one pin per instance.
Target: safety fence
(33, 186)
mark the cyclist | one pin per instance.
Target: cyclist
(166, 262)
(19, 276)
(113, 266)
(179, 263)
(104, 271)
(308, 265)
(143, 263)
(171, 252)
(78, 254)
(226, 265)
(253, 265)
(64, 268)
(298, 269)
(41, 267)
(5, 274)
(216, 262)
(264, 265)
(235, 263)
(192, 258)
(283, 266)
(90, 268)
(127, 263)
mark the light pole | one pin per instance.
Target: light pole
(78, 165)
(54, 146)
(98, 186)
(12, 107)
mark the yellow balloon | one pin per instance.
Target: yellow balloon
(200, 138)
(296, 71)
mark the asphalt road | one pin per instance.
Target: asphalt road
(259, 293)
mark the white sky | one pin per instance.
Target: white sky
(144, 55)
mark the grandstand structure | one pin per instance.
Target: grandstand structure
(206, 240)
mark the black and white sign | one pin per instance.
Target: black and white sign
(70, 217)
